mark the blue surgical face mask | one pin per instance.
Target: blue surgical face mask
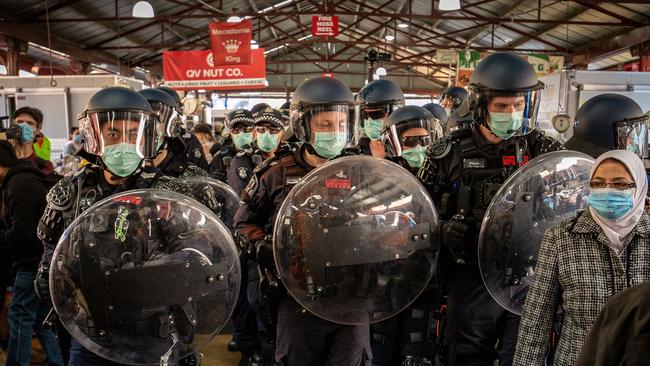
(241, 139)
(267, 142)
(78, 139)
(505, 125)
(121, 159)
(373, 128)
(415, 156)
(27, 133)
(329, 144)
(611, 204)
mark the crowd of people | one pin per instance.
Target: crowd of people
(586, 305)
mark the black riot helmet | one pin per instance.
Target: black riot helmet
(376, 101)
(322, 115)
(169, 121)
(504, 95)
(119, 125)
(438, 112)
(408, 127)
(172, 93)
(451, 98)
(609, 122)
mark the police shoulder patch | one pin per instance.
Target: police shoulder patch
(251, 189)
(197, 153)
(440, 148)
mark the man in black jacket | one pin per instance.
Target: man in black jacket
(24, 190)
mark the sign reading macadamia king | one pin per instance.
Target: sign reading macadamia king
(231, 42)
(187, 70)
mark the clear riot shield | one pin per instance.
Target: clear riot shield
(549, 189)
(217, 196)
(145, 277)
(354, 241)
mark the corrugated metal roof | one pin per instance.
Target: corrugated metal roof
(422, 32)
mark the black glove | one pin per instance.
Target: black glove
(42, 282)
(264, 254)
(454, 237)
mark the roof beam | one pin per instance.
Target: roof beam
(576, 12)
(591, 5)
(410, 17)
(39, 36)
(608, 46)
(507, 12)
(57, 6)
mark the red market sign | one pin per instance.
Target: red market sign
(324, 25)
(231, 42)
(187, 70)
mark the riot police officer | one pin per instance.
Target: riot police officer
(193, 150)
(267, 135)
(377, 101)
(240, 130)
(451, 98)
(408, 132)
(287, 135)
(439, 113)
(320, 116)
(171, 157)
(119, 128)
(462, 174)
(609, 122)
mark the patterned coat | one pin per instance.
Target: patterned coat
(577, 272)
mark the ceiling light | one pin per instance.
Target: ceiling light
(381, 71)
(449, 5)
(142, 9)
(233, 19)
(390, 37)
(402, 25)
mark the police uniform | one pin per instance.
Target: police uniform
(241, 168)
(297, 329)
(462, 175)
(73, 195)
(193, 150)
(221, 161)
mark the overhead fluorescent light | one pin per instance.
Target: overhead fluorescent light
(381, 71)
(402, 25)
(142, 9)
(447, 5)
(390, 37)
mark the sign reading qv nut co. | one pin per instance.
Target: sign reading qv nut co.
(188, 70)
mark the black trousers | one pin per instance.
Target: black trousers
(244, 318)
(478, 330)
(305, 339)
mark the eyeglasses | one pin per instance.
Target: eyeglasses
(412, 141)
(272, 130)
(616, 185)
(237, 130)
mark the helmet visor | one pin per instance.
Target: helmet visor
(632, 135)
(408, 134)
(511, 114)
(107, 128)
(326, 120)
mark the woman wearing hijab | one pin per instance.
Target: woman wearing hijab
(584, 261)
